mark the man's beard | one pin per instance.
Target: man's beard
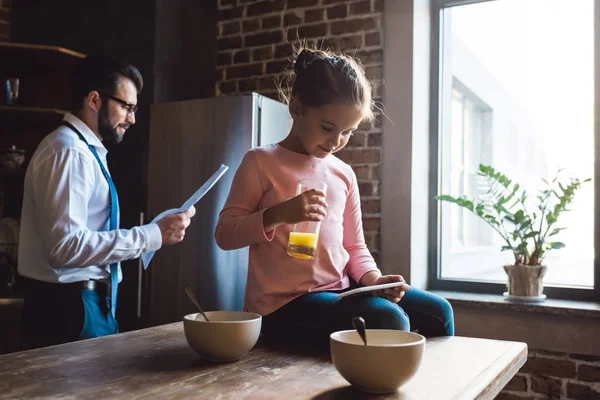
(108, 133)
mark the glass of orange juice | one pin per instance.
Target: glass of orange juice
(305, 235)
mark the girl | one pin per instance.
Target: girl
(330, 96)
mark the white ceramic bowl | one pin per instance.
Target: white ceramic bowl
(390, 359)
(228, 335)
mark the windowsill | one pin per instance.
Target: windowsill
(562, 326)
(498, 302)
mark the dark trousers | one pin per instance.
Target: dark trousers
(60, 313)
(311, 318)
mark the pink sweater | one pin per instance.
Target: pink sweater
(268, 176)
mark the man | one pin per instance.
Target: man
(70, 244)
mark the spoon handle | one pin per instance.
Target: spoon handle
(359, 325)
(190, 293)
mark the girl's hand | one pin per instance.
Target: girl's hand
(307, 206)
(392, 294)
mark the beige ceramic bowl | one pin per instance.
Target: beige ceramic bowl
(228, 335)
(389, 360)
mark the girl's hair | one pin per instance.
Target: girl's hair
(321, 77)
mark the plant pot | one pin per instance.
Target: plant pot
(525, 280)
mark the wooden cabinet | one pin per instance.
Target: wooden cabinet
(44, 97)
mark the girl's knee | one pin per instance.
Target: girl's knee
(446, 314)
(383, 314)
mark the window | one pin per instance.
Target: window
(515, 90)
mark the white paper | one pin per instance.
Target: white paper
(147, 257)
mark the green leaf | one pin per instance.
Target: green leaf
(557, 245)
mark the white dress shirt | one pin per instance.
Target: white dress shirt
(65, 217)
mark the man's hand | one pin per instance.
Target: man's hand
(172, 227)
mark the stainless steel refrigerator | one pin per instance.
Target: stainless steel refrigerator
(189, 140)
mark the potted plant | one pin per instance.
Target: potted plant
(526, 232)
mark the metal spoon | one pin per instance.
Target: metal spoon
(190, 293)
(359, 325)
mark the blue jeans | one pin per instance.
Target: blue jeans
(311, 318)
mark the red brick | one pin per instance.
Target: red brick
(371, 206)
(366, 188)
(375, 140)
(585, 357)
(363, 172)
(370, 57)
(273, 94)
(350, 43)
(357, 140)
(267, 82)
(233, 42)
(271, 22)
(361, 156)
(378, 6)
(328, 43)
(226, 3)
(551, 387)
(223, 58)
(327, 2)
(263, 38)
(337, 12)
(265, 7)
(582, 392)
(374, 73)
(372, 39)
(301, 3)
(309, 31)
(228, 87)
(283, 50)
(362, 7)
(219, 74)
(550, 367)
(244, 71)
(353, 25)
(371, 224)
(248, 1)
(251, 25)
(230, 28)
(262, 53)
(247, 85)
(292, 19)
(231, 13)
(314, 15)
(242, 56)
(276, 67)
(377, 241)
(376, 172)
(588, 373)
(365, 126)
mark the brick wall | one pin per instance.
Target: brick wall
(5, 9)
(253, 47)
(561, 376)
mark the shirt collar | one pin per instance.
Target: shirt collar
(86, 132)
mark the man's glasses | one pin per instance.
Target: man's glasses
(131, 108)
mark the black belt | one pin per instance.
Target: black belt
(100, 287)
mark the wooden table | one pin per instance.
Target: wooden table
(157, 363)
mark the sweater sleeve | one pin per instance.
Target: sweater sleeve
(361, 261)
(240, 222)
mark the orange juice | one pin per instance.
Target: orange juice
(303, 245)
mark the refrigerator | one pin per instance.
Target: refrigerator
(188, 141)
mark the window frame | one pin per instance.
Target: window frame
(434, 257)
